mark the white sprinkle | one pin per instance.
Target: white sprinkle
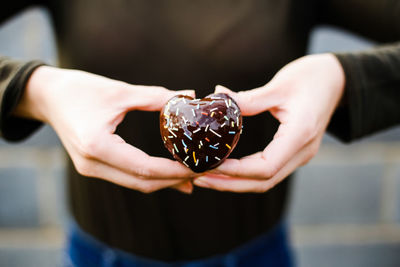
(196, 130)
(172, 132)
(197, 162)
(173, 151)
(177, 111)
(177, 151)
(215, 133)
(198, 106)
(226, 118)
(237, 121)
(201, 143)
(216, 144)
(175, 129)
(184, 100)
(230, 102)
(170, 136)
(226, 103)
(212, 102)
(185, 120)
(186, 164)
(194, 114)
(207, 127)
(223, 125)
(217, 158)
(186, 158)
(213, 109)
(235, 111)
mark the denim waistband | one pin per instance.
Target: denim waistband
(270, 249)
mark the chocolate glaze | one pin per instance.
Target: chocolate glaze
(201, 133)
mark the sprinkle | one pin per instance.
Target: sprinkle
(198, 105)
(172, 132)
(233, 124)
(175, 129)
(230, 102)
(186, 158)
(201, 143)
(173, 151)
(199, 146)
(215, 133)
(170, 136)
(228, 146)
(186, 164)
(226, 103)
(235, 111)
(207, 127)
(206, 158)
(217, 158)
(216, 144)
(177, 151)
(204, 113)
(165, 138)
(231, 132)
(183, 143)
(194, 114)
(226, 118)
(213, 109)
(213, 147)
(220, 112)
(184, 100)
(237, 121)
(166, 115)
(194, 157)
(186, 149)
(196, 130)
(185, 120)
(241, 131)
(223, 125)
(197, 162)
(208, 140)
(197, 123)
(212, 102)
(187, 136)
(177, 111)
(212, 114)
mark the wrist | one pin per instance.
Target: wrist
(31, 104)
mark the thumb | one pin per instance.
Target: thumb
(251, 102)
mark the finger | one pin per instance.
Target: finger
(252, 102)
(242, 184)
(184, 187)
(114, 151)
(97, 169)
(287, 142)
(232, 184)
(152, 98)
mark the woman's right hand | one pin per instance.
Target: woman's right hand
(85, 109)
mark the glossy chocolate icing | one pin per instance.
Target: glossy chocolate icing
(201, 133)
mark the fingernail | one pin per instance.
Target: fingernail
(201, 182)
(221, 89)
(188, 92)
(186, 188)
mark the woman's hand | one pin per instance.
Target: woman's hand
(85, 109)
(302, 96)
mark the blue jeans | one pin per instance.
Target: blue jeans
(271, 249)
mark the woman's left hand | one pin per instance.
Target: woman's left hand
(303, 96)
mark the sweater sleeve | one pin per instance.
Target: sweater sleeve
(13, 78)
(371, 100)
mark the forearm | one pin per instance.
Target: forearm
(371, 101)
(14, 76)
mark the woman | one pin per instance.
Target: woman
(178, 45)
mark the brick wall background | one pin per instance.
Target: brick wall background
(345, 206)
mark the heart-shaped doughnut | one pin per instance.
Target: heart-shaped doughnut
(201, 133)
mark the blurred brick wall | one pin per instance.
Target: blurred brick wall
(345, 208)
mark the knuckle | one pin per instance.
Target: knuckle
(83, 167)
(89, 148)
